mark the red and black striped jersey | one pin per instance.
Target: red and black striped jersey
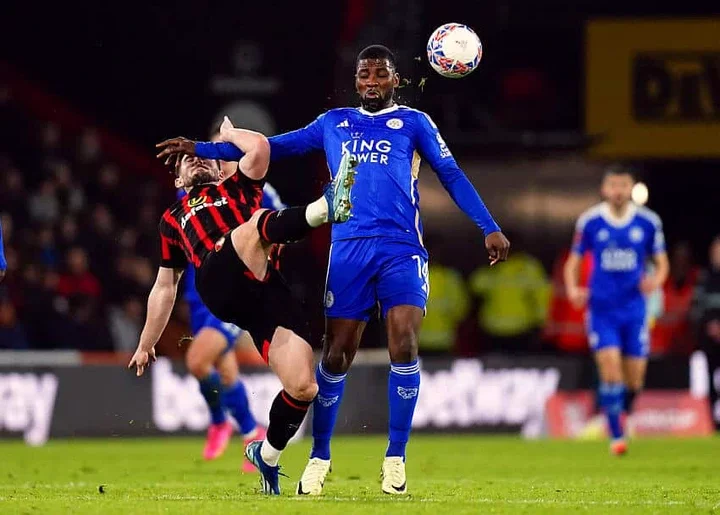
(190, 228)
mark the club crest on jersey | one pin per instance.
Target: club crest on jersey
(636, 234)
(395, 123)
(603, 235)
(195, 201)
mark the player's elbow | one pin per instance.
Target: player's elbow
(257, 160)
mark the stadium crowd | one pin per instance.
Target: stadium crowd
(80, 237)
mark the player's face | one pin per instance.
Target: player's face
(375, 82)
(195, 171)
(617, 189)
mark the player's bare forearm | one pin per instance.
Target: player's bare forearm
(571, 271)
(255, 146)
(159, 307)
(662, 268)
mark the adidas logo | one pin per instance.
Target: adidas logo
(343, 123)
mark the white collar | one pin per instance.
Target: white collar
(390, 109)
(615, 221)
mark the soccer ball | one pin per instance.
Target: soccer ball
(454, 50)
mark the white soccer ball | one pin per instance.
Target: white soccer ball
(454, 50)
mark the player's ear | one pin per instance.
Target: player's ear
(396, 80)
(178, 182)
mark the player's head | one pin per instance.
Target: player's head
(617, 185)
(193, 171)
(376, 77)
(228, 167)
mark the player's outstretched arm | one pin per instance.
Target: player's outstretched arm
(434, 149)
(255, 147)
(159, 308)
(288, 144)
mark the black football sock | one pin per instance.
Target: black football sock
(284, 226)
(286, 416)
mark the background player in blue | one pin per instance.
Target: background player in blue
(3, 262)
(622, 236)
(378, 255)
(210, 357)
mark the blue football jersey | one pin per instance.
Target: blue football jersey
(388, 145)
(620, 248)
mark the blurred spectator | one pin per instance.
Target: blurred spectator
(706, 317)
(12, 334)
(106, 190)
(69, 234)
(513, 300)
(88, 155)
(70, 194)
(13, 197)
(44, 206)
(78, 280)
(671, 333)
(126, 322)
(47, 251)
(565, 326)
(447, 305)
(84, 328)
(99, 239)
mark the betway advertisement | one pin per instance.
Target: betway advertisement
(529, 396)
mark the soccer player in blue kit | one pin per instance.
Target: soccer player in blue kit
(211, 358)
(622, 236)
(376, 257)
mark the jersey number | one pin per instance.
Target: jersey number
(423, 273)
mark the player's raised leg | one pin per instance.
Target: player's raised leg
(206, 347)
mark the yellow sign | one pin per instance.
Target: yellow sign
(653, 88)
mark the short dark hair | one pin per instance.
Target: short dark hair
(619, 169)
(377, 52)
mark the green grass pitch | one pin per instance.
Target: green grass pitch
(446, 474)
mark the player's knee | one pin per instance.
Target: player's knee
(197, 365)
(228, 377)
(403, 344)
(303, 390)
(337, 355)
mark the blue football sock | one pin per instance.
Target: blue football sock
(403, 390)
(612, 397)
(236, 399)
(211, 390)
(325, 410)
